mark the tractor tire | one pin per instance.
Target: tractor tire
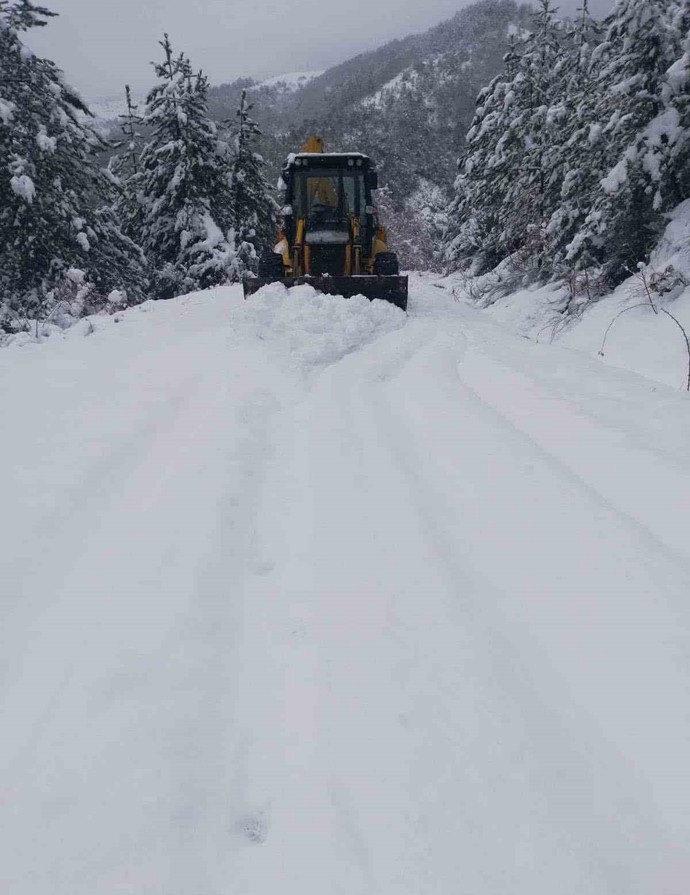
(271, 266)
(386, 264)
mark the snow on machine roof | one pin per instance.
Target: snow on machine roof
(324, 159)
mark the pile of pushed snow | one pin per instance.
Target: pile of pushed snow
(298, 328)
(310, 330)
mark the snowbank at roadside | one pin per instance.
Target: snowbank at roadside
(638, 339)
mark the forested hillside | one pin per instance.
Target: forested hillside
(578, 151)
(410, 102)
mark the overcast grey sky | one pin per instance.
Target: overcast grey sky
(101, 44)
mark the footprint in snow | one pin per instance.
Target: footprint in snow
(263, 567)
(254, 826)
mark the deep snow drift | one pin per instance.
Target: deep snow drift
(306, 596)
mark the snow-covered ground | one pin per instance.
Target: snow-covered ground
(303, 595)
(623, 329)
(292, 81)
(391, 89)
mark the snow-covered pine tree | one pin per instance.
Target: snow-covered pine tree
(531, 187)
(675, 170)
(641, 44)
(580, 146)
(492, 149)
(126, 171)
(253, 207)
(509, 183)
(416, 227)
(185, 184)
(53, 197)
(664, 145)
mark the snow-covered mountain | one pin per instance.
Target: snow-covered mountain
(108, 109)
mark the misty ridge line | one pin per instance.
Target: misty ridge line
(103, 46)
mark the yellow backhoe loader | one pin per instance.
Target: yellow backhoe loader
(330, 235)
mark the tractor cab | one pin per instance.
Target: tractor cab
(329, 213)
(330, 235)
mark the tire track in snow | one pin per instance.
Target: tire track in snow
(313, 658)
(377, 397)
(603, 455)
(317, 838)
(359, 678)
(392, 413)
(154, 608)
(599, 494)
(369, 609)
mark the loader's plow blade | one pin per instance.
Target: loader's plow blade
(390, 289)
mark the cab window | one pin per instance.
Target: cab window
(318, 193)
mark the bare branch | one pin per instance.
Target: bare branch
(610, 326)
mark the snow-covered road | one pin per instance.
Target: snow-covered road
(303, 596)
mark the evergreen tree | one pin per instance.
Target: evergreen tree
(475, 215)
(532, 193)
(252, 206)
(577, 152)
(509, 183)
(53, 197)
(185, 184)
(676, 168)
(664, 145)
(581, 146)
(640, 45)
(126, 171)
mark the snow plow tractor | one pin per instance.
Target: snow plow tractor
(330, 235)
